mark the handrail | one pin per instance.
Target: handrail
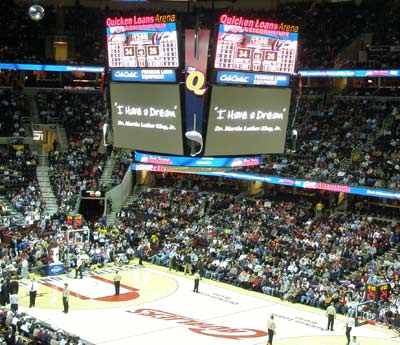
(381, 98)
(77, 204)
(361, 145)
(59, 138)
(38, 126)
(387, 119)
(372, 136)
(356, 148)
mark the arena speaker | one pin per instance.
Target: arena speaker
(106, 133)
(196, 137)
(36, 12)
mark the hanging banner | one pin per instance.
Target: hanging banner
(196, 56)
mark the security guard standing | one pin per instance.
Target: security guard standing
(331, 314)
(33, 286)
(65, 296)
(196, 282)
(117, 282)
(271, 329)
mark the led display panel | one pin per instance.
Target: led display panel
(246, 120)
(254, 45)
(147, 117)
(142, 42)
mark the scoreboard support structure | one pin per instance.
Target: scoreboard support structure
(367, 312)
(375, 294)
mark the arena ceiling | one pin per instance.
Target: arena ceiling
(171, 4)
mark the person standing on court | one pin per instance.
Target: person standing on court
(117, 282)
(331, 314)
(187, 260)
(140, 253)
(271, 329)
(24, 268)
(350, 323)
(196, 282)
(65, 298)
(33, 286)
(79, 267)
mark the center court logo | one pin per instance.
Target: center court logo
(200, 327)
(96, 288)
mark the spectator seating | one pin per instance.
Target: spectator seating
(122, 162)
(27, 330)
(19, 183)
(13, 107)
(81, 166)
(328, 132)
(17, 169)
(277, 250)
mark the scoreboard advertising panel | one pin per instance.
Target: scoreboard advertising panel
(254, 45)
(247, 120)
(147, 117)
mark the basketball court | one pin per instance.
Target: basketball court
(156, 306)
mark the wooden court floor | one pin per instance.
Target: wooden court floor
(153, 289)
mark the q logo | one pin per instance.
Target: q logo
(195, 82)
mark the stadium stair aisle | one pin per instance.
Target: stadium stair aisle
(42, 173)
(112, 215)
(106, 178)
(62, 135)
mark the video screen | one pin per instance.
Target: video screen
(247, 120)
(255, 46)
(147, 117)
(133, 44)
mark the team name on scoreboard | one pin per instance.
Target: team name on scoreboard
(257, 24)
(141, 20)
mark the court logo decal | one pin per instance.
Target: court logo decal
(200, 327)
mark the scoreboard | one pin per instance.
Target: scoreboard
(252, 45)
(377, 292)
(160, 118)
(142, 42)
